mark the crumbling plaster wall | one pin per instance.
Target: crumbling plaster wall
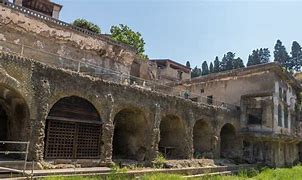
(230, 89)
(168, 74)
(265, 103)
(60, 46)
(289, 103)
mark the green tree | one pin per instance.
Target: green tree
(281, 55)
(188, 64)
(124, 34)
(216, 65)
(196, 72)
(259, 56)
(211, 68)
(83, 23)
(238, 63)
(253, 58)
(250, 61)
(227, 62)
(204, 68)
(264, 55)
(296, 57)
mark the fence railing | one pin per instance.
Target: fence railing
(6, 145)
(108, 74)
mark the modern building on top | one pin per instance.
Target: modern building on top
(42, 6)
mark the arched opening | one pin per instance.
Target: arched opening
(73, 130)
(130, 135)
(3, 125)
(14, 119)
(135, 69)
(202, 140)
(299, 148)
(228, 142)
(172, 137)
(135, 72)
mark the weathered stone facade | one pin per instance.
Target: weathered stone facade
(267, 97)
(45, 85)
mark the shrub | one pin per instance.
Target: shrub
(83, 23)
(159, 161)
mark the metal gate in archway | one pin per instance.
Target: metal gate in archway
(73, 130)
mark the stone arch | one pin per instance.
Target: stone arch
(172, 137)
(135, 68)
(14, 119)
(202, 139)
(73, 130)
(228, 141)
(130, 135)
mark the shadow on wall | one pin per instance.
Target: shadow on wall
(229, 143)
(202, 140)
(130, 135)
(14, 121)
(172, 137)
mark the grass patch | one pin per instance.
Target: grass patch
(264, 174)
(156, 176)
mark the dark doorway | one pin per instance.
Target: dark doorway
(172, 137)
(202, 136)
(3, 128)
(14, 122)
(73, 130)
(130, 135)
(228, 141)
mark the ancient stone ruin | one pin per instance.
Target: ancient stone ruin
(80, 96)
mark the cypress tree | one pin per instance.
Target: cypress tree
(196, 72)
(264, 55)
(211, 68)
(216, 65)
(227, 62)
(296, 57)
(204, 68)
(259, 56)
(188, 64)
(281, 55)
(238, 63)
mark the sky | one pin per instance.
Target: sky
(196, 30)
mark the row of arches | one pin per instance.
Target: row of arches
(72, 115)
(74, 131)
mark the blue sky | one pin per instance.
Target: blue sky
(196, 30)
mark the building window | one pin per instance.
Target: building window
(201, 91)
(179, 75)
(285, 117)
(279, 115)
(254, 116)
(280, 93)
(284, 96)
(210, 99)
